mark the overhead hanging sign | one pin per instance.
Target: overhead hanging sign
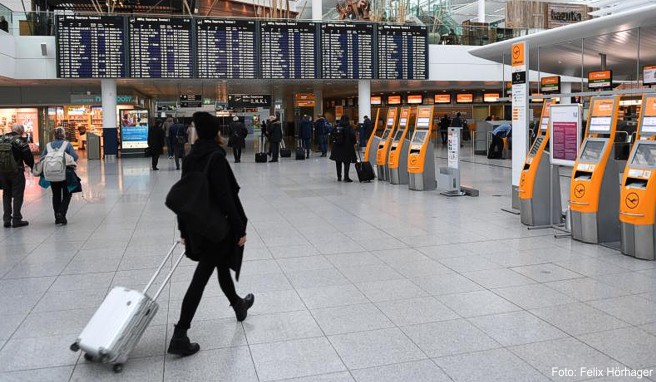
(237, 101)
(304, 100)
(649, 75)
(600, 80)
(550, 84)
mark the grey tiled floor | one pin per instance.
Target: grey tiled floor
(353, 282)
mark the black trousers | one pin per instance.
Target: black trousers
(496, 147)
(347, 168)
(12, 196)
(155, 160)
(61, 198)
(307, 146)
(275, 150)
(236, 152)
(178, 153)
(444, 135)
(202, 275)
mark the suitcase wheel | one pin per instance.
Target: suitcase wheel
(117, 368)
(75, 347)
(88, 357)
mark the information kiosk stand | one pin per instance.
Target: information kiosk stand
(421, 158)
(398, 154)
(384, 144)
(374, 139)
(594, 189)
(538, 204)
(638, 194)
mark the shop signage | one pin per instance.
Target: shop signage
(601, 79)
(559, 15)
(305, 100)
(442, 98)
(248, 100)
(550, 84)
(86, 99)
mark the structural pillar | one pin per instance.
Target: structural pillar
(318, 103)
(566, 88)
(364, 99)
(481, 11)
(110, 131)
(317, 10)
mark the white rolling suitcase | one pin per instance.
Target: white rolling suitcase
(120, 321)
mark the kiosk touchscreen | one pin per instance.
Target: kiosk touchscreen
(384, 144)
(374, 138)
(539, 205)
(638, 192)
(594, 187)
(398, 152)
(421, 157)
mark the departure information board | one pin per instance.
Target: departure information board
(288, 50)
(226, 49)
(90, 46)
(347, 51)
(160, 47)
(402, 52)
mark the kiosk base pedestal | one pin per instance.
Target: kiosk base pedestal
(638, 241)
(383, 173)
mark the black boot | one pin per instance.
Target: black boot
(241, 309)
(180, 344)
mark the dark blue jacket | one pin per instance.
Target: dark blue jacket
(306, 129)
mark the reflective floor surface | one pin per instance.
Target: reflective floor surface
(353, 282)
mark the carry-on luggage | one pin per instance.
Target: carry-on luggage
(300, 151)
(120, 321)
(364, 169)
(285, 152)
(260, 155)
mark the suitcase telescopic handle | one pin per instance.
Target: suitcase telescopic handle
(159, 270)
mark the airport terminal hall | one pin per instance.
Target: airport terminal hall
(328, 191)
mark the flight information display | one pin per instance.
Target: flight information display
(226, 49)
(402, 52)
(347, 51)
(90, 46)
(160, 47)
(288, 50)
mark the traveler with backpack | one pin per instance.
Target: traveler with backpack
(321, 131)
(208, 157)
(51, 162)
(343, 152)
(237, 140)
(14, 155)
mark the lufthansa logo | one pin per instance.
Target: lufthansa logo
(579, 190)
(413, 160)
(516, 52)
(632, 200)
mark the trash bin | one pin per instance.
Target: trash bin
(93, 146)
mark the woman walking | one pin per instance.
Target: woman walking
(155, 143)
(61, 196)
(223, 255)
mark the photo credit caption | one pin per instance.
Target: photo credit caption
(600, 372)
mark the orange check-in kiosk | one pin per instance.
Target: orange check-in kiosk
(539, 206)
(594, 188)
(398, 153)
(385, 140)
(638, 191)
(421, 158)
(374, 139)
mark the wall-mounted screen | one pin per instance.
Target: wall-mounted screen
(376, 100)
(160, 47)
(226, 49)
(415, 99)
(491, 97)
(394, 100)
(347, 50)
(442, 98)
(649, 75)
(288, 50)
(464, 98)
(402, 52)
(90, 46)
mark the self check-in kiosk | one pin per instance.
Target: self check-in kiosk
(594, 189)
(638, 192)
(421, 158)
(384, 144)
(399, 148)
(374, 139)
(539, 205)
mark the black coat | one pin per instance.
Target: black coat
(275, 131)
(238, 135)
(345, 152)
(226, 189)
(155, 140)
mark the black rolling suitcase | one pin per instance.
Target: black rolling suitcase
(285, 152)
(364, 169)
(260, 155)
(300, 151)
